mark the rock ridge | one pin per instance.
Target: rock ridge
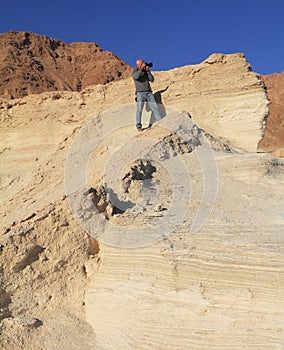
(32, 63)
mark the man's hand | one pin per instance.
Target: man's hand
(143, 65)
(147, 68)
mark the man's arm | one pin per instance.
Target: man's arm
(136, 74)
(150, 76)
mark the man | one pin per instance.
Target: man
(142, 78)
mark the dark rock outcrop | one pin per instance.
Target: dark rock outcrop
(31, 63)
(274, 133)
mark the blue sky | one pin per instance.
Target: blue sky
(169, 33)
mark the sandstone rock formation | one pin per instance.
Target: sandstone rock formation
(224, 97)
(217, 287)
(32, 63)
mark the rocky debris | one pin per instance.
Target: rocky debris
(28, 322)
(187, 140)
(177, 144)
(32, 254)
(43, 280)
(5, 300)
(160, 208)
(218, 145)
(275, 167)
(93, 247)
(31, 63)
(138, 183)
(94, 201)
(101, 200)
(143, 169)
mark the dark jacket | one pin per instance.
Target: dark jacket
(142, 80)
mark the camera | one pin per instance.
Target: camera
(150, 64)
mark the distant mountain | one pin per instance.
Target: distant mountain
(31, 63)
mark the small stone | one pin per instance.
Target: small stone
(159, 208)
(65, 223)
(29, 322)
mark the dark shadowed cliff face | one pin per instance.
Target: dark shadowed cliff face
(274, 133)
(32, 63)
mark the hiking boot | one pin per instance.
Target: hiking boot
(139, 128)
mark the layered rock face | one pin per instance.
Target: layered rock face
(213, 279)
(273, 139)
(32, 63)
(224, 97)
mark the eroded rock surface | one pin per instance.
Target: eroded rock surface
(273, 139)
(220, 286)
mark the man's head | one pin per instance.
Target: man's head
(140, 64)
